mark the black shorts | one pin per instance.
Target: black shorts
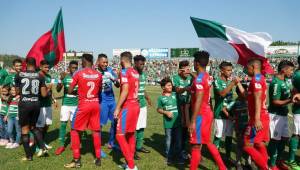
(28, 113)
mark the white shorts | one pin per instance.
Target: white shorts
(223, 127)
(45, 117)
(279, 126)
(142, 120)
(67, 112)
(296, 129)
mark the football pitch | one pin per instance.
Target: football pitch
(10, 159)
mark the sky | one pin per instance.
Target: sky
(102, 25)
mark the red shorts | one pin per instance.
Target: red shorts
(128, 117)
(87, 115)
(202, 132)
(252, 136)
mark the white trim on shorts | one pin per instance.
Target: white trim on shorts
(67, 113)
(279, 126)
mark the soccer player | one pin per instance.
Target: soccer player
(30, 85)
(87, 115)
(127, 109)
(257, 131)
(222, 120)
(45, 117)
(108, 103)
(16, 68)
(280, 97)
(202, 117)
(182, 84)
(294, 140)
(139, 63)
(69, 103)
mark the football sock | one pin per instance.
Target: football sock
(139, 138)
(125, 148)
(256, 157)
(293, 147)
(217, 141)
(97, 143)
(75, 144)
(272, 147)
(228, 145)
(216, 155)
(195, 158)
(62, 133)
(25, 142)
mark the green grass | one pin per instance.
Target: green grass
(154, 140)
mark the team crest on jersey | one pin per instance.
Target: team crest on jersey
(124, 79)
(257, 77)
(199, 86)
(257, 85)
(200, 77)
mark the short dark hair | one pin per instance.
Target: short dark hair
(17, 60)
(88, 57)
(31, 61)
(102, 56)
(164, 81)
(225, 64)
(6, 86)
(44, 62)
(139, 58)
(127, 55)
(201, 57)
(183, 63)
(283, 64)
(245, 86)
(252, 61)
(73, 62)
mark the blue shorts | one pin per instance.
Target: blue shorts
(107, 112)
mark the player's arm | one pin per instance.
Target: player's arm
(241, 88)
(148, 99)
(276, 97)
(115, 80)
(257, 102)
(60, 85)
(122, 98)
(73, 84)
(199, 96)
(225, 91)
(161, 110)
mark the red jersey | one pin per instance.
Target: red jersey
(202, 83)
(131, 77)
(89, 83)
(257, 83)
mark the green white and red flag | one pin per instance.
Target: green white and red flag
(231, 44)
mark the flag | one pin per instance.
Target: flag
(232, 44)
(51, 45)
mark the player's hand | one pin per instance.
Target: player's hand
(116, 113)
(258, 125)
(63, 75)
(149, 102)
(5, 118)
(169, 115)
(296, 98)
(236, 80)
(192, 126)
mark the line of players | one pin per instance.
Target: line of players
(87, 115)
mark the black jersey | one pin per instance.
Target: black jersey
(29, 84)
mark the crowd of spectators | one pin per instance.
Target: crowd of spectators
(158, 69)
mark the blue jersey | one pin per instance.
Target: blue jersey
(107, 93)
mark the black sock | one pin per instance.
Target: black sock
(25, 142)
(39, 138)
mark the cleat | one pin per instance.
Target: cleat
(73, 164)
(97, 162)
(42, 152)
(59, 150)
(143, 150)
(27, 159)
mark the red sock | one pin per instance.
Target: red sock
(195, 158)
(125, 148)
(216, 155)
(75, 144)
(256, 157)
(131, 142)
(97, 143)
(261, 148)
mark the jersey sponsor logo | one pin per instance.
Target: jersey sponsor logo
(135, 75)
(90, 76)
(30, 99)
(28, 75)
(257, 85)
(200, 77)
